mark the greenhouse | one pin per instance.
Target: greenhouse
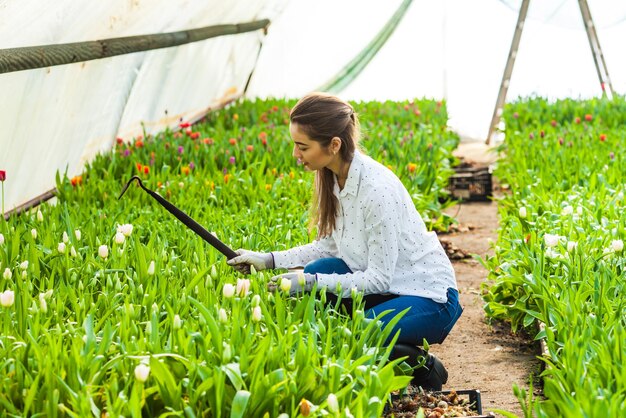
(308, 209)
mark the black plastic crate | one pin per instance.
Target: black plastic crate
(471, 184)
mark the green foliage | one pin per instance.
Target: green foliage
(85, 327)
(559, 256)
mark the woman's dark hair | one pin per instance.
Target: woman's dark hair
(322, 117)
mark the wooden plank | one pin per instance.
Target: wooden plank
(27, 58)
(596, 50)
(508, 70)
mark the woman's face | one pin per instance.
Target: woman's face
(309, 152)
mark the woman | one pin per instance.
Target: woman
(370, 237)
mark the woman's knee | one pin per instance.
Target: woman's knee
(327, 266)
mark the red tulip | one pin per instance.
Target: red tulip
(602, 137)
(3, 175)
(184, 125)
(588, 117)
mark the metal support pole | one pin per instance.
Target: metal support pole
(508, 70)
(596, 51)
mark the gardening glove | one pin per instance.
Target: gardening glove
(292, 282)
(245, 259)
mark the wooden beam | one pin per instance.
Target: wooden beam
(596, 51)
(28, 58)
(508, 70)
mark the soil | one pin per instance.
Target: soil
(479, 355)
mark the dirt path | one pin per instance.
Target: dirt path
(477, 355)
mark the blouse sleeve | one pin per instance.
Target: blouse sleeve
(302, 255)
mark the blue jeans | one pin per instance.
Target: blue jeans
(426, 319)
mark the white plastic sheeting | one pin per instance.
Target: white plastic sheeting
(58, 118)
(453, 49)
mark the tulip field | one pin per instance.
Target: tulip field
(559, 260)
(114, 308)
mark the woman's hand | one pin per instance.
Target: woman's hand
(245, 259)
(293, 282)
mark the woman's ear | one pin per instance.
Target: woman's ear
(335, 144)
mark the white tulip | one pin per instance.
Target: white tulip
(151, 268)
(73, 251)
(142, 371)
(7, 273)
(243, 286)
(333, 403)
(39, 215)
(285, 284)
(24, 265)
(571, 245)
(522, 212)
(551, 240)
(65, 237)
(1, 239)
(7, 298)
(33, 232)
(177, 323)
(228, 290)
(77, 234)
(301, 279)
(223, 316)
(125, 229)
(617, 245)
(42, 303)
(256, 300)
(579, 210)
(256, 314)
(227, 354)
(61, 247)
(567, 210)
(103, 251)
(119, 238)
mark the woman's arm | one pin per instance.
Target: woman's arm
(302, 255)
